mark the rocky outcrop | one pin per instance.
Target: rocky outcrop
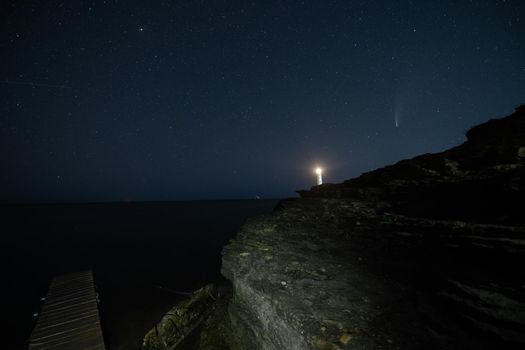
(426, 253)
(183, 325)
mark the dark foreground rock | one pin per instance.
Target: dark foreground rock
(428, 253)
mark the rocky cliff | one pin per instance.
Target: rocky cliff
(426, 253)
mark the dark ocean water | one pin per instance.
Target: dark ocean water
(141, 254)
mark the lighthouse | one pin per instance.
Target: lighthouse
(319, 173)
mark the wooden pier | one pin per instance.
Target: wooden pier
(69, 318)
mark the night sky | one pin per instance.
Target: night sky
(172, 100)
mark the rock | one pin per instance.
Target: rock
(481, 180)
(182, 326)
(426, 253)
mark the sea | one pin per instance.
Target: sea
(145, 257)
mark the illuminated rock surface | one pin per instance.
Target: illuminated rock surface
(424, 254)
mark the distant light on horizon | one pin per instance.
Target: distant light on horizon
(319, 172)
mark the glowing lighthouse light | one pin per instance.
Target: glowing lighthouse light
(319, 173)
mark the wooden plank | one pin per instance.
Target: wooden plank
(69, 318)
